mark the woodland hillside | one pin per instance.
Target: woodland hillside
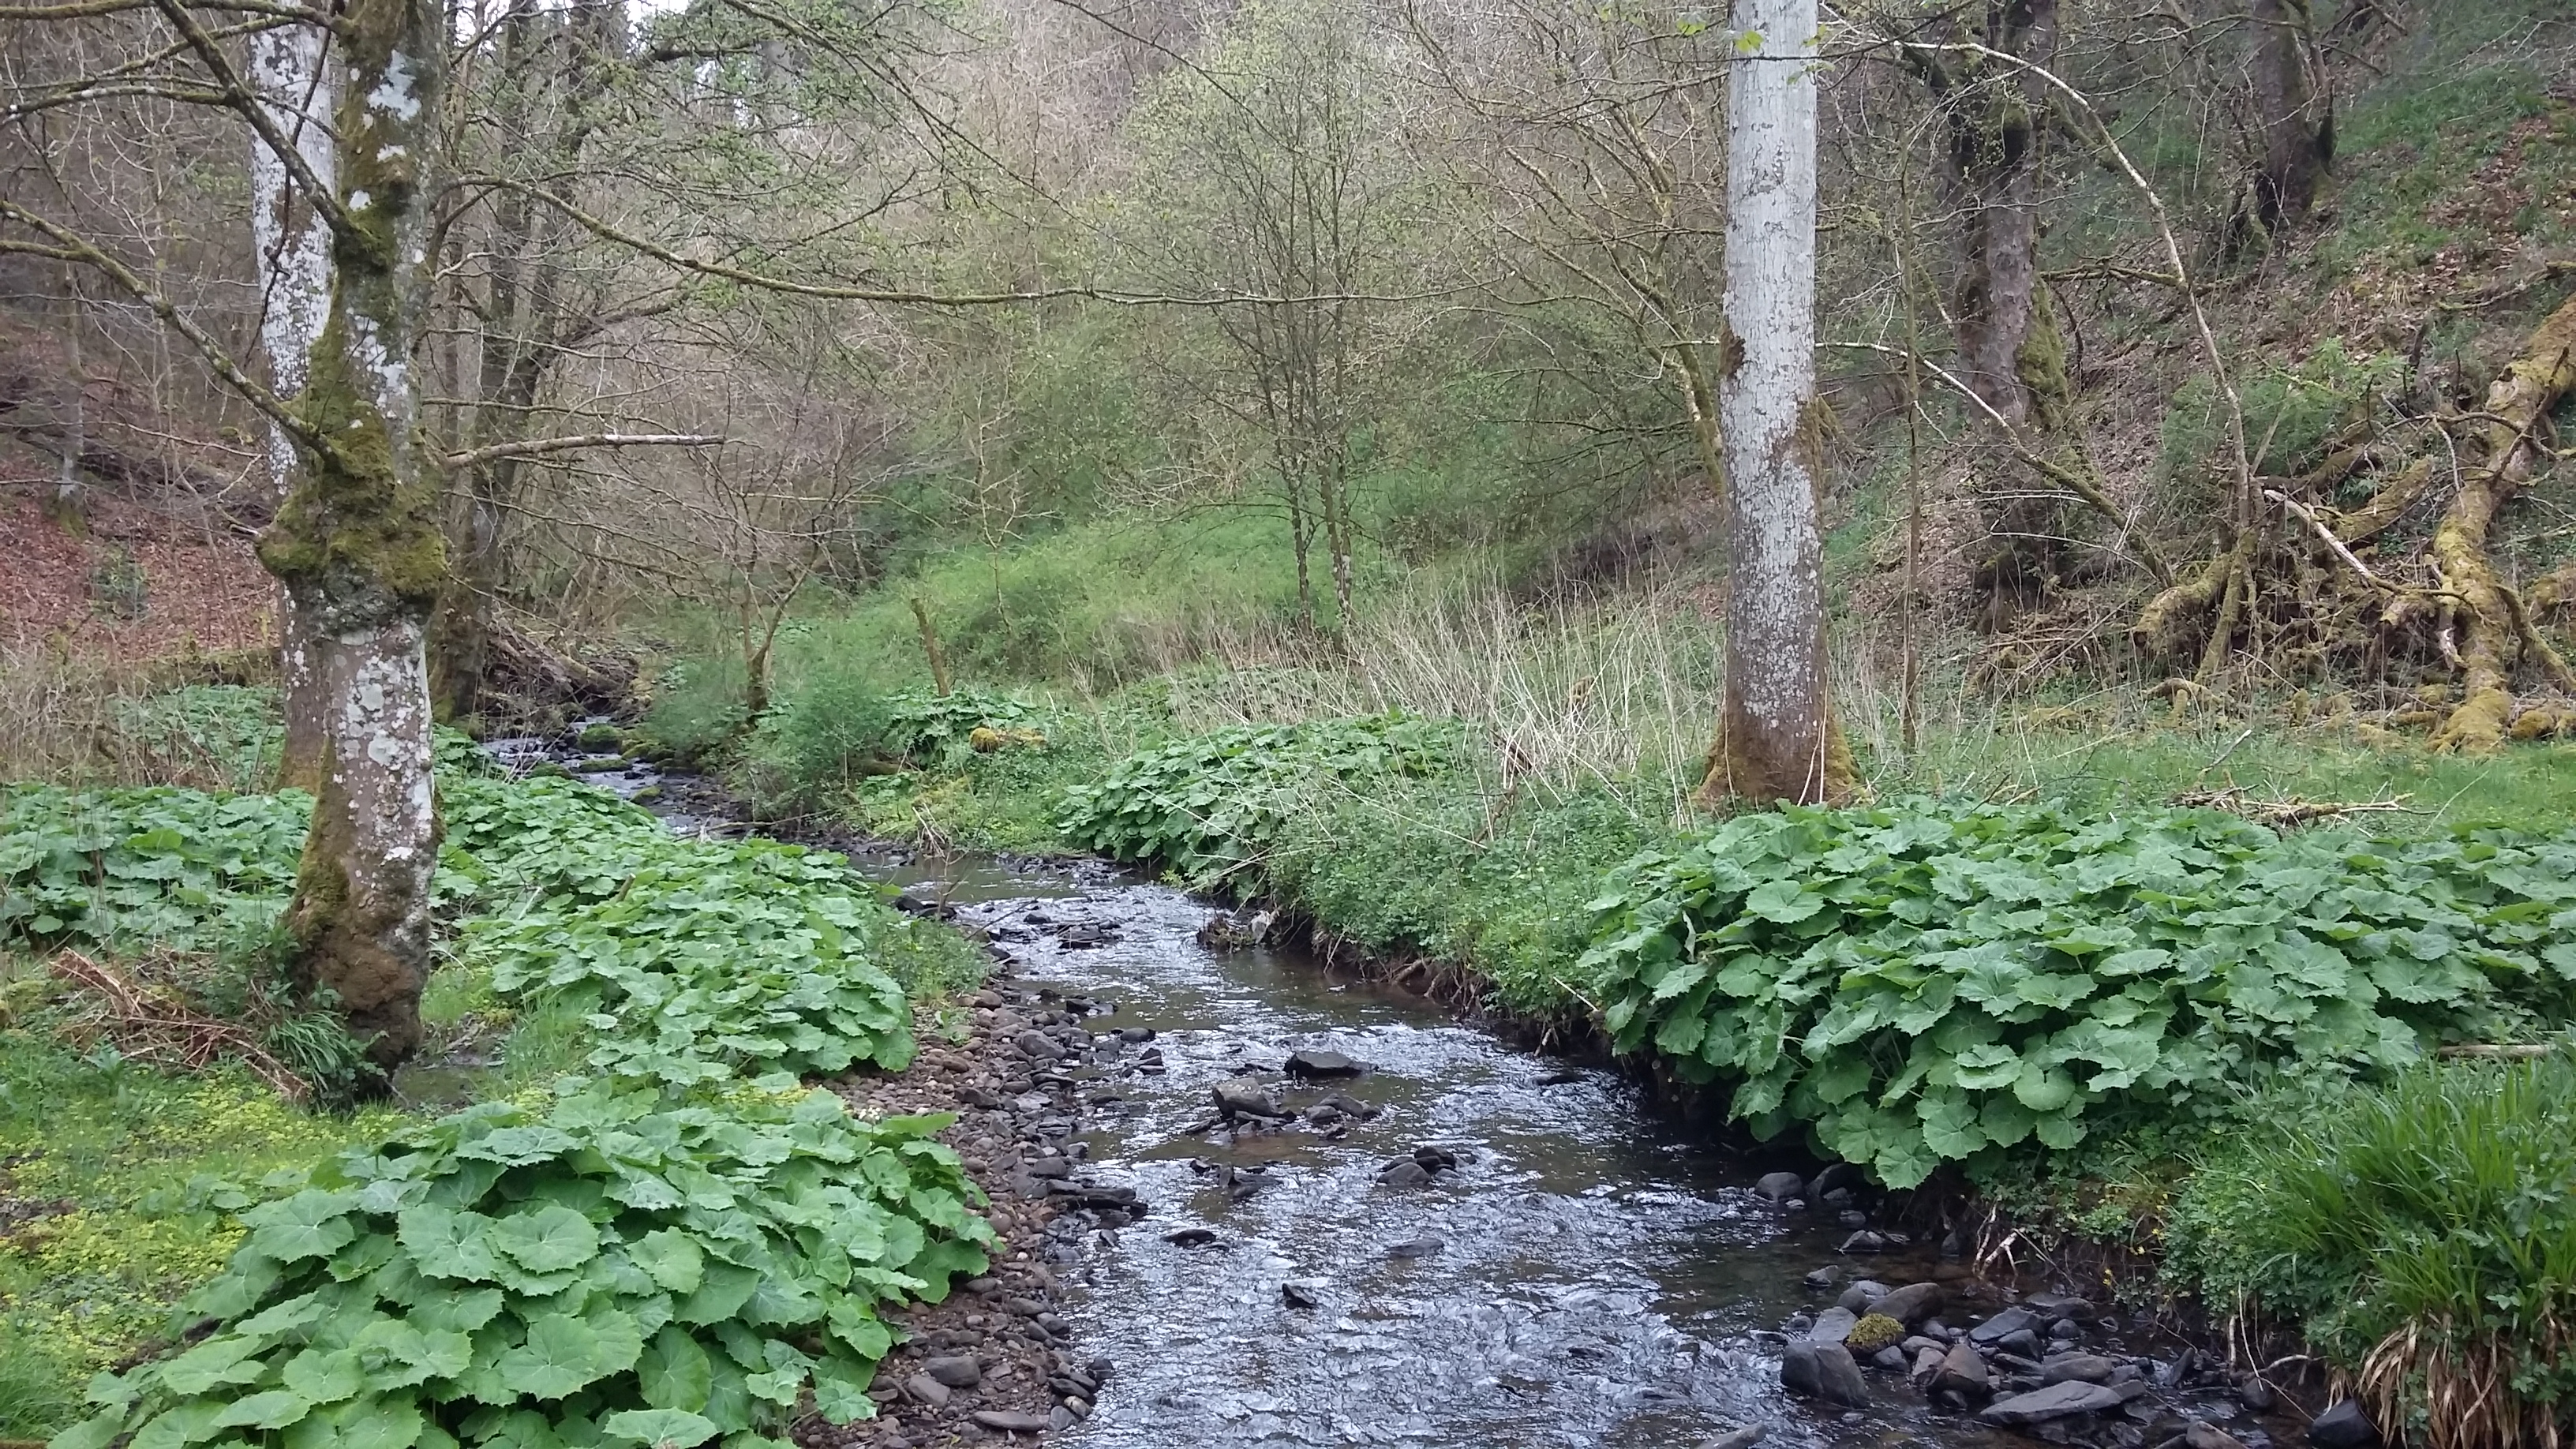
(1975, 595)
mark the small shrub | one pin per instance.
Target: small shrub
(2422, 1231)
(617, 1266)
(936, 731)
(117, 587)
(1928, 982)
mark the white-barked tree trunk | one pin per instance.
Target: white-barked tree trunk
(1776, 739)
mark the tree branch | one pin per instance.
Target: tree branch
(535, 447)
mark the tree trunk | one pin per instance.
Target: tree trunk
(68, 507)
(356, 545)
(1776, 739)
(2294, 108)
(292, 241)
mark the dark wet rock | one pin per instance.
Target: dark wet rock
(1086, 935)
(1927, 1362)
(1963, 1372)
(1911, 1304)
(1036, 1044)
(1349, 1106)
(1832, 1326)
(1890, 1358)
(1307, 1064)
(1243, 1097)
(1566, 1077)
(2090, 1368)
(957, 1371)
(2024, 1344)
(1840, 1174)
(925, 1389)
(1324, 1114)
(1861, 1294)
(1822, 1371)
(2002, 1326)
(2057, 1401)
(2056, 1305)
(2202, 1434)
(1298, 1296)
(1236, 930)
(1744, 1438)
(1435, 1159)
(2344, 1426)
(1135, 1034)
(1866, 1241)
(1824, 1277)
(1008, 1422)
(1852, 1219)
(1404, 1172)
(1780, 1186)
(1422, 1247)
(1191, 1237)
(2256, 1394)
(1048, 1167)
(1059, 1418)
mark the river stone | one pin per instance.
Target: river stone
(2089, 1368)
(1822, 1371)
(1242, 1097)
(1037, 1044)
(1744, 1438)
(1927, 1362)
(2057, 1401)
(2344, 1426)
(1007, 1422)
(1832, 1326)
(2202, 1434)
(957, 1371)
(1962, 1371)
(1404, 1172)
(1422, 1247)
(1780, 1186)
(1862, 1293)
(1840, 1174)
(1191, 1237)
(2002, 1326)
(928, 1390)
(1824, 1277)
(1312, 1063)
(1910, 1304)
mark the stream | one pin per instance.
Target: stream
(1591, 1273)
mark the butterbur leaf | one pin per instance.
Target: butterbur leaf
(447, 1244)
(673, 1259)
(673, 1371)
(560, 1355)
(271, 1409)
(659, 1428)
(310, 1224)
(549, 1239)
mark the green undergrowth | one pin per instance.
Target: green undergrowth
(2421, 1232)
(1923, 982)
(736, 1239)
(615, 1266)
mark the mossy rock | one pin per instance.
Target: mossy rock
(601, 739)
(1874, 1332)
(645, 796)
(600, 765)
(548, 769)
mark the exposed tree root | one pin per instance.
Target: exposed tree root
(2452, 607)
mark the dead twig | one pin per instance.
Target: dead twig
(149, 1025)
(2291, 813)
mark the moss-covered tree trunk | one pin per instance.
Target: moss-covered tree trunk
(1776, 739)
(291, 243)
(356, 545)
(2294, 109)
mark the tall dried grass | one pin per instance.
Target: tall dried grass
(67, 719)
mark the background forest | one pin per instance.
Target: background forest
(1278, 444)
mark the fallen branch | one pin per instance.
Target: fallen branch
(2515, 1052)
(2291, 813)
(152, 1026)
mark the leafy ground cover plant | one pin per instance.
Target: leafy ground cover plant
(144, 866)
(936, 731)
(693, 958)
(2422, 1231)
(616, 1266)
(1931, 982)
(1207, 807)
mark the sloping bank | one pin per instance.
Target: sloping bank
(675, 1244)
(2037, 1005)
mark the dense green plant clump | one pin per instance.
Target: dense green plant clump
(693, 958)
(150, 865)
(1208, 806)
(617, 1266)
(2423, 1231)
(1933, 982)
(936, 731)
